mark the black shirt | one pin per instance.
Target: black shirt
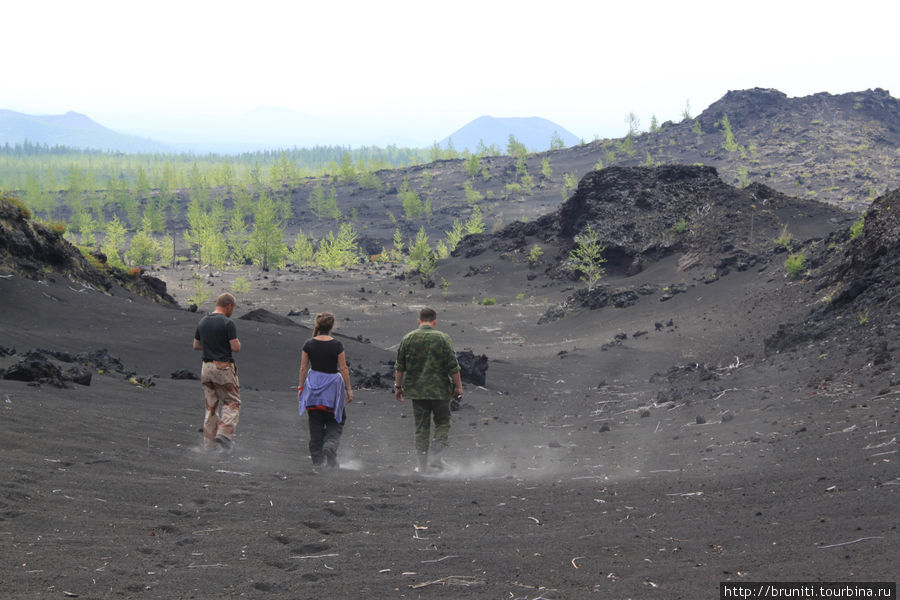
(215, 332)
(323, 356)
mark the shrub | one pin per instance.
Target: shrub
(586, 258)
(57, 227)
(473, 196)
(784, 239)
(24, 211)
(143, 250)
(535, 254)
(338, 252)
(201, 294)
(421, 256)
(680, 227)
(795, 264)
(488, 301)
(241, 285)
(302, 253)
(857, 228)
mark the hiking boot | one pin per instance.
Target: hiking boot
(331, 461)
(436, 461)
(422, 462)
(225, 445)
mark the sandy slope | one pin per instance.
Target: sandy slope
(579, 474)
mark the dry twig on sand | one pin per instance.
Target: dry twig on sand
(439, 559)
(465, 580)
(876, 537)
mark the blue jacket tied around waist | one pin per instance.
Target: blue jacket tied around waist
(324, 389)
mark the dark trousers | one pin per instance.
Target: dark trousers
(324, 436)
(423, 412)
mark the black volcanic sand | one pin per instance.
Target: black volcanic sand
(655, 466)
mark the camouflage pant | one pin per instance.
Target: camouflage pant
(423, 411)
(220, 387)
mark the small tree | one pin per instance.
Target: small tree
(475, 222)
(526, 181)
(634, 124)
(795, 264)
(586, 257)
(546, 171)
(201, 293)
(516, 148)
(348, 170)
(556, 142)
(421, 256)
(570, 182)
(330, 208)
(241, 285)
(473, 196)
(397, 250)
(412, 204)
(454, 235)
(267, 238)
(473, 166)
(302, 252)
(686, 111)
(316, 200)
(534, 255)
(115, 238)
(205, 232)
(166, 246)
(143, 250)
(369, 180)
(729, 144)
(238, 237)
(338, 252)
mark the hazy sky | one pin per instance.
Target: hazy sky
(428, 68)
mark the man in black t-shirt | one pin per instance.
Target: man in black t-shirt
(216, 337)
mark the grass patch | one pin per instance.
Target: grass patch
(795, 265)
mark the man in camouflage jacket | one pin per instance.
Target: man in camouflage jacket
(427, 373)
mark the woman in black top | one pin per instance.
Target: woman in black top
(324, 391)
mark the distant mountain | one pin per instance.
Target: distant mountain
(534, 132)
(272, 128)
(71, 129)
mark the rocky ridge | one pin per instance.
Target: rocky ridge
(35, 250)
(859, 280)
(643, 214)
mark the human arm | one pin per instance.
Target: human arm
(233, 341)
(304, 370)
(197, 344)
(398, 385)
(453, 367)
(457, 384)
(345, 374)
(399, 369)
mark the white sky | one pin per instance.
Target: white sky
(434, 66)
